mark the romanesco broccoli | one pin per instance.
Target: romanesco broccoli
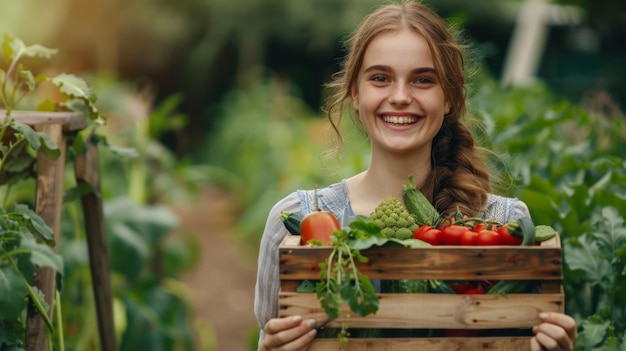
(394, 220)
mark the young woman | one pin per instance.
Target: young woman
(404, 78)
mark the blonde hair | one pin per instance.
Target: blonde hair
(460, 178)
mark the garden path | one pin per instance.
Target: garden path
(222, 282)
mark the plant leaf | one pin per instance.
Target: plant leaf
(35, 223)
(43, 256)
(582, 253)
(12, 292)
(31, 136)
(593, 331)
(48, 147)
(18, 48)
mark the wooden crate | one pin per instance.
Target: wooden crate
(433, 311)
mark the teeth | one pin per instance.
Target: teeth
(400, 119)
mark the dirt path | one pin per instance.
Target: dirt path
(222, 283)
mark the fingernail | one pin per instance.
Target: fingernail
(543, 315)
(296, 319)
(312, 332)
(535, 329)
(310, 323)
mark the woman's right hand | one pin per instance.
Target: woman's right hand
(288, 334)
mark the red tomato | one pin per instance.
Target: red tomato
(451, 234)
(318, 225)
(460, 288)
(506, 238)
(480, 226)
(420, 230)
(468, 238)
(475, 291)
(430, 235)
(488, 238)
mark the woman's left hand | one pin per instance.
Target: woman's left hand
(556, 331)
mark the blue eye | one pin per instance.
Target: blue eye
(379, 78)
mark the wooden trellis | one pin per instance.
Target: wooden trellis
(49, 200)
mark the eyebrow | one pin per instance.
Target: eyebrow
(384, 68)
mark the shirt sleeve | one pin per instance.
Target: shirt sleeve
(505, 209)
(267, 283)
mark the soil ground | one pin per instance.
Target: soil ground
(222, 282)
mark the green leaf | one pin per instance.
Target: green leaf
(43, 256)
(593, 331)
(18, 48)
(306, 286)
(48, 147)
(26, 77)
(73, 86)
(34, 222)
(613, 235)
(31, 136)
(583, 254)
(18, 164)
(12, 292)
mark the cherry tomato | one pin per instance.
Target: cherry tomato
(430, 235)
(488, 238)
(420, 230)
(506, 238)
(318, 225)
(451, 234)
(468, 238)
(479, 226)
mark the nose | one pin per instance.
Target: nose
(400, 94)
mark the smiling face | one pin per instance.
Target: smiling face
(398, 95)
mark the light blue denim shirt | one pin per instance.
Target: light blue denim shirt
(333, 198)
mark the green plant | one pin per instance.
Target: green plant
(18, 81)
(569, 165)
(25, 238)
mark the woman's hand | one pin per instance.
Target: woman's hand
(288, 334)
(556, 331)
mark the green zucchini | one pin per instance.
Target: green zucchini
(292, 220)
(418, 205)
(440, 287)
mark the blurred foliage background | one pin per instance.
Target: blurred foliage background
(184, 82)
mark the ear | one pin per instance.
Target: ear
(448, 108)
(355, 98)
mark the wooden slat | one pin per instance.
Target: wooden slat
(446, 263)
(49, 199)
(87, 172)
(439, 311)
(430, 344)
(70, 121)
